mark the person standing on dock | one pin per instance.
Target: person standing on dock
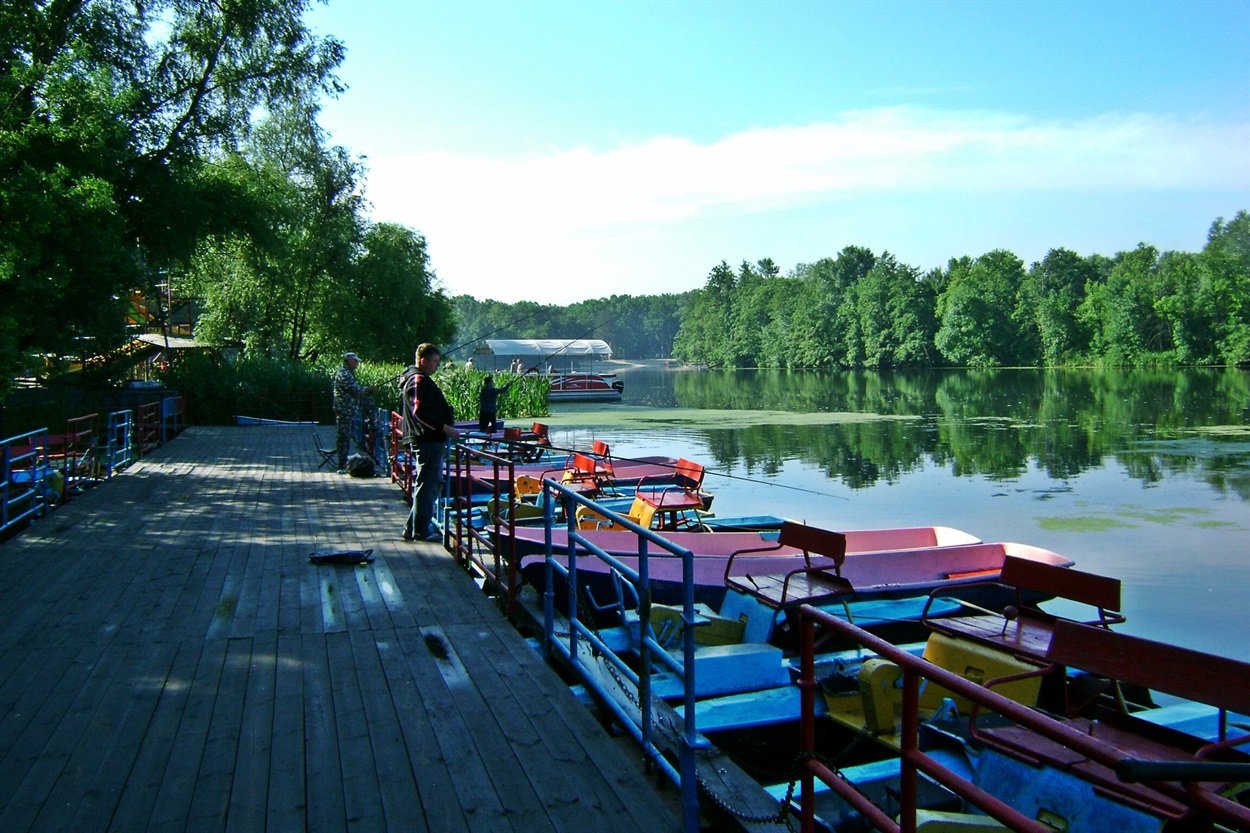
(347, 396)
(428, 425)
(488, 404)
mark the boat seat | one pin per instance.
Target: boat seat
(1166, 669)
(1023, 629)
(586, 474)
(683, 496)
(804, 585)
(639, 513)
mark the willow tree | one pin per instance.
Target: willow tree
(108, 111)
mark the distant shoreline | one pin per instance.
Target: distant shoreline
(651, 364)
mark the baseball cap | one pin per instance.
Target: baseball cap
(347, 356)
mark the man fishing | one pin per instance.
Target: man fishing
(348, 394)
(428, 425)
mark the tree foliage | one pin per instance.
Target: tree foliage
(147, 142)
(109, 113)
(861, 310)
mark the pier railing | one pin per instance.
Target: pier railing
(602, 668)
(913, 761)
(119, 449)
(475, 538)
(39, 470)
(24, 470)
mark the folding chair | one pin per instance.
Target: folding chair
(327, 454)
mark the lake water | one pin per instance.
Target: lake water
(1140, 475)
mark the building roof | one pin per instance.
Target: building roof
(549, 347)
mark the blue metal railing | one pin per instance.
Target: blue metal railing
(119, 441)
(23, 469)
(650, 651)
(172, 417)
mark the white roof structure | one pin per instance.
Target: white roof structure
(174, 342)
(549, 347)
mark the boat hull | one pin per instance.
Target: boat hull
(881, 563)
(585, 387)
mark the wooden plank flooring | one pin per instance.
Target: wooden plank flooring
(171, 661)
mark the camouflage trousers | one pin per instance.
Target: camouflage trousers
(344, 420)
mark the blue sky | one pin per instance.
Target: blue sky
(559, 151)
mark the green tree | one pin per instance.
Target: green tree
(1227, 258)
(392, 299)
(701, 339)
(283, 293)
(1048, 300)
(977, 311)
(894, 310)
(108, 111)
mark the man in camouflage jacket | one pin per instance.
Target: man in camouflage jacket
(347, 394)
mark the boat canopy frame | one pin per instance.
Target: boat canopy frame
(571, 354)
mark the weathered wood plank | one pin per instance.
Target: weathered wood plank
(326, 809)
(169, 660)
(358, 771)
(177, 788)
(138, 795)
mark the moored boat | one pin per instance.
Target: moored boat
(585, 387)
(877, 563)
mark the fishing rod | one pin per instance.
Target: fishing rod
(566, 346)
(514, 323)
(707, 471)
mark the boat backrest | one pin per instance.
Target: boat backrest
(688, 474)
(1192, 675)
(1102, 592)
(815, 540)
(512, 434)
(600, 449)
(526, 484)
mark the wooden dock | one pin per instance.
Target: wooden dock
(170, 660)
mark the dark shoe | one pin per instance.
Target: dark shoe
(433, 537)
(407, 534)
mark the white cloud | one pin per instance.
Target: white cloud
(484, 216)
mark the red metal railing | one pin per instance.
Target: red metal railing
(402, 464)
(912, 760)
(79, 455)
(469, 542)
(147, 427)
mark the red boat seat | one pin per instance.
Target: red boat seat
(682, 496)
(1024, 629)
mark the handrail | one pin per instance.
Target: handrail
(147, 427)
(912, 759)
(467, 539)
(22, 452)
(641, 725)
(119, 441)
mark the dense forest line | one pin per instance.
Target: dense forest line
(1141, 307)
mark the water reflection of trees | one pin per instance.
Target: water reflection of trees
(993, 423)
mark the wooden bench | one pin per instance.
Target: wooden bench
(1023, 629)
(803, 585)
(1162, 755)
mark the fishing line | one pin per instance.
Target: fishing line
(567, 344)
(706, 471)
(514, 323)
